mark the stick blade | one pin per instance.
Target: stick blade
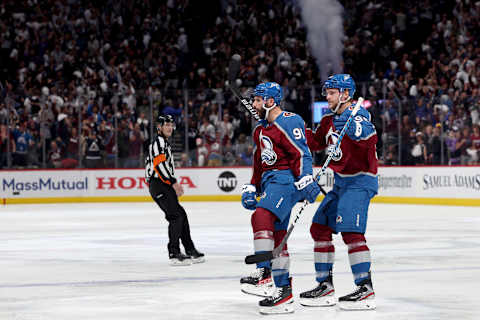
(260, 257)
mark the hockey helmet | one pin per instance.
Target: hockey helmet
(269, 90)
(165, 118)
(340, 82)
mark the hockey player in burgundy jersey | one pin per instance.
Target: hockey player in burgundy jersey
(282, 176)
(344, 209)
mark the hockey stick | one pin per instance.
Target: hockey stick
(269, 255)
(233, 69)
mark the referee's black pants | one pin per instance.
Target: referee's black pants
(178, 228)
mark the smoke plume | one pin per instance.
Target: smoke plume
(324, 22)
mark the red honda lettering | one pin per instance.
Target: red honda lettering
(187, 181)
(110, 183)
(142, 183)
(129, 185)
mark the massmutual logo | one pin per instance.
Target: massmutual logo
(40, 184)
(227, 181)
(449, 181)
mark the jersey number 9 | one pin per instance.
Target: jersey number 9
(298, 134)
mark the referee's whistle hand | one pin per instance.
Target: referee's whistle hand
(178, 189)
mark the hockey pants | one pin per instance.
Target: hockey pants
(178, 228)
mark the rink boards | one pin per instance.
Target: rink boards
(447, 185)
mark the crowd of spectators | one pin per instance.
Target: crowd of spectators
(427, 61)
(81, 80)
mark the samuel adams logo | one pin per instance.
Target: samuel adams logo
(227, 181)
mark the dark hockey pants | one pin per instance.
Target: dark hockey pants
(178, 228)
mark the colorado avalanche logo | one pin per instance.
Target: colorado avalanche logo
(268, 154)
(332, 138)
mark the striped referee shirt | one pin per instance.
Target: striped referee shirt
(159, 162)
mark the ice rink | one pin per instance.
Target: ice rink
(109, 261)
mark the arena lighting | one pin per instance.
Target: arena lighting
(320, 107)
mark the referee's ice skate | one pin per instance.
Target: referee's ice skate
(259, 283)
(179, 259)
(196, 256)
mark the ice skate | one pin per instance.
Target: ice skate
(363, 298)
(196, 256)
(280, 302)
(179, 259)
(259, 283)
(321, 296)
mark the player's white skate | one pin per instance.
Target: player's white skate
(321, 296)
(363, 298)
(259, 283)
(179, 259)
(280, 302)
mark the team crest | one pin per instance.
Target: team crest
(332, 139)
(268, 154)
(339, 219)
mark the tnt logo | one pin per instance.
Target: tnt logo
(227, 181)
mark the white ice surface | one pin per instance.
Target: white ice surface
(109, 261)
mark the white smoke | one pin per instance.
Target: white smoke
(324, 22)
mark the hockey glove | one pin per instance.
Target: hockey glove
(249, 197)
(309, 187)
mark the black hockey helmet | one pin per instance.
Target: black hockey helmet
(162, 119)
(165, 118)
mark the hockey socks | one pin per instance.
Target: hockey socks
(281, 264)
(358, 255)
(324, 251)
(363, 298)
(263, 227)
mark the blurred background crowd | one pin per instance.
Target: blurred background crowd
(81, 81)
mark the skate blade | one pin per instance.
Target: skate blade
(326, 301)
(176, 262)
(287, 307)
(265, 290)
(367, 304)
(198, 260)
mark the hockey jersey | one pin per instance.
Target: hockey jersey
(281, 145)
(356, 164)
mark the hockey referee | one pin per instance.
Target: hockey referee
(164, 189)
